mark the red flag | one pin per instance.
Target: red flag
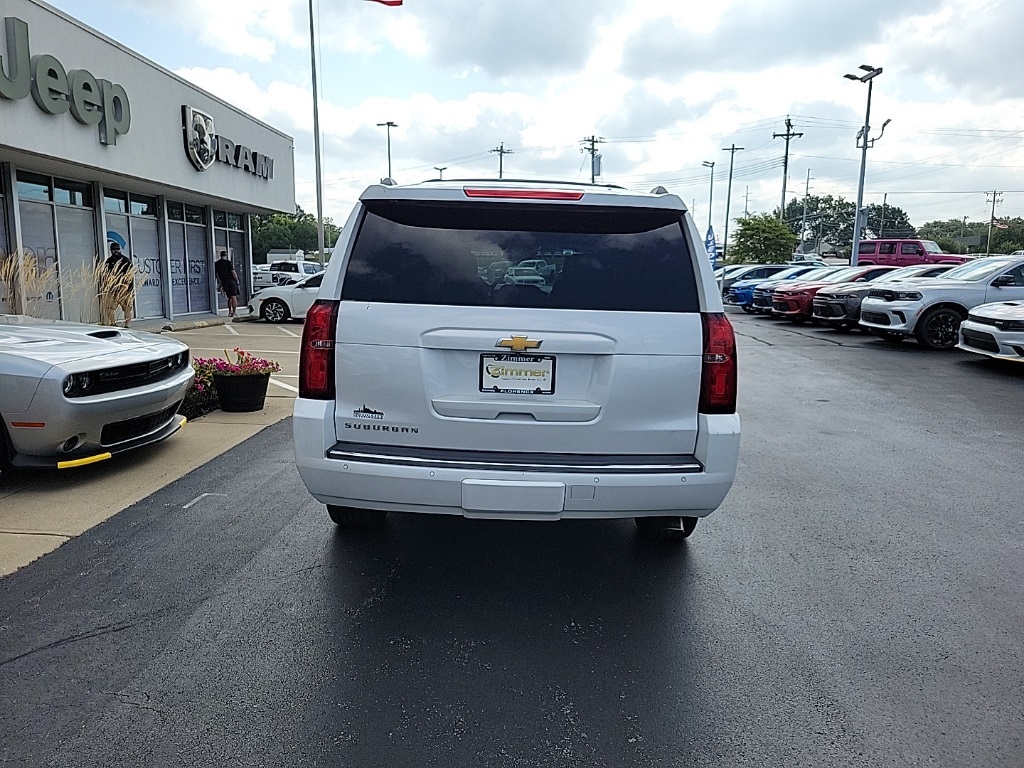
(392, 3)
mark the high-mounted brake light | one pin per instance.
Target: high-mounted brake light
(718, 369)
(316, 355)
(523, 194)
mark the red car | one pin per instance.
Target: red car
(795, 301)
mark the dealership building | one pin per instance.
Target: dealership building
(99, 145)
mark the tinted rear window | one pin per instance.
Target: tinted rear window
(558, 257)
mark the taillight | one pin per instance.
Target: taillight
(316, 356)
(718, 369)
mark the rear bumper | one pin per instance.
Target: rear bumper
(691, 486)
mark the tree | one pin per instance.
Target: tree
(829, 220)
(950, 233)
(763, 239)
(299, 230)
(887, 221)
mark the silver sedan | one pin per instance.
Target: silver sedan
(73, 394)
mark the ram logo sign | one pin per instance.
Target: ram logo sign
(204, 146)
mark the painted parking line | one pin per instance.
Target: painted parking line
(288, 333)
(281, 384)
(232, 330)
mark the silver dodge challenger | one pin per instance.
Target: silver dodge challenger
(74, 394)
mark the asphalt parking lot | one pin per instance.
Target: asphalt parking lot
(857, 601)
(41, 510)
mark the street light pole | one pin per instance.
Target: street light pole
(440, 171)
(711, 190)
(870, 73)
(389, 125)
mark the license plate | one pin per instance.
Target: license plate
(513, 374)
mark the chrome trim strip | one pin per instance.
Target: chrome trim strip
(684, 464)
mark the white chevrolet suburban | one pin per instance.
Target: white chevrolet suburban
(426, 385)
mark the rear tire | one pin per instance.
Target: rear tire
(665, 528)
(746, 308)
(351, 517)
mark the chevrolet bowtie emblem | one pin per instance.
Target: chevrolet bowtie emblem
(518, 343)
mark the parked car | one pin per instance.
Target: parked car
(761, 300)
(751, 272)
(284, 302)
(741, 293)
(838, 306)
(931, 310)
(905, 253)
(74, 394)
(995, 330)
(796, 302)
(284, 272)
(612, 396)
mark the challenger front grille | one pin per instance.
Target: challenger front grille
(980, 340)
(122, 431)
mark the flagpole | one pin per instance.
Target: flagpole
(316, 144)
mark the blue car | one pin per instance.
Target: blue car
(741, 293)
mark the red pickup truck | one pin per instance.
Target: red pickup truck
(905, 253)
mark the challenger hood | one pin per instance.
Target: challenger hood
(55, 341)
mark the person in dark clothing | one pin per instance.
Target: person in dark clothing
(227, 279)
(118, 289)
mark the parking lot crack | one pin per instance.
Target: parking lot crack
(108, 629)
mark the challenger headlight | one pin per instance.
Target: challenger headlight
(78, 384)
(842, 296)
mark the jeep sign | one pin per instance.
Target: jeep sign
(56, 90)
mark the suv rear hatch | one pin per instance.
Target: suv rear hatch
(601, 355)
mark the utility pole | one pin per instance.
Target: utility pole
(593, 141)
(732, 149)
(440, 171)
(881, 226)
(746, 202)
(997, 197)
(501, 157)
(711, 191)
(803, 220)
(785, 162)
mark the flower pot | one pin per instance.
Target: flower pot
(247, 392)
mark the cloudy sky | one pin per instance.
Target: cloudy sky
(666, 83)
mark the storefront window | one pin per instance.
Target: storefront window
(139, 238)
(220, 219)
(143, 205)
(195, 215)
(6, 295)
(115, 202)
(72, 193)
(39, 277)
(33, 187)
(175, 211)
(234, 221)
